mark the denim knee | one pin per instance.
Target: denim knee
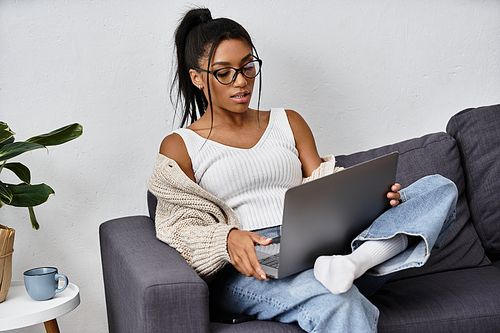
(433, 183)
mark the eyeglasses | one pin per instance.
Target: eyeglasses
(227, 75)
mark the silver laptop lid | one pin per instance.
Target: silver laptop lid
(323, 216)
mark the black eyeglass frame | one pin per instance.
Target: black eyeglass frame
(238, 70)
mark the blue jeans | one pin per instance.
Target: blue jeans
(427, 211)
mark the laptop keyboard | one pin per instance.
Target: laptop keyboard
(272, 261)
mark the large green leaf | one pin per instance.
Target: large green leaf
(34, 222)
(24, 195)
(20, 170)
(58, 136)
(5, 194)
(17, 148)
(6, 142)
(5, 132)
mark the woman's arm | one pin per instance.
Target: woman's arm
(304, 142)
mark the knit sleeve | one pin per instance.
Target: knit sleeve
(327, 167)
(196, 227)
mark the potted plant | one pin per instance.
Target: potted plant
(23, 194)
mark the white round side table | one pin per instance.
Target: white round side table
(20, 310)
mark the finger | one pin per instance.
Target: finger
(256, 269)
(259, 272)
(262, 275)
(394, 203)
(251, 268)
(264, 241)
(241, 248)
(246, 262)
(261, 240)
(393, 195)
(396, 187)
(243, 266)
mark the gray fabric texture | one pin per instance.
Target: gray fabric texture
(149, 286)
(477, 132)
(457, 301)
(435, 153)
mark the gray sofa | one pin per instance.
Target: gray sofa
(150, 288)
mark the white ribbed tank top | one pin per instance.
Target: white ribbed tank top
(251, 181)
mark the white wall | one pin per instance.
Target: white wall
(362, 73)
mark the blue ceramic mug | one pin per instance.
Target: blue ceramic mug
(43, 283)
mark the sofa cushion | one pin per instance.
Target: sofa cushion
(457, 301)
(434, 154)
(477, 132)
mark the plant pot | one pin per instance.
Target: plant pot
(6, 249)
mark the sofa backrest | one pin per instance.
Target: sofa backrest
(435, 153)
(477, 132)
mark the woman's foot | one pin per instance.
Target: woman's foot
(337, 273)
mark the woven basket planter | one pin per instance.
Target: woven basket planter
(6, 249)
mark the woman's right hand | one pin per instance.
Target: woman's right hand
(241, 248)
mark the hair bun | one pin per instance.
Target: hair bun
(204, 15)
(198, 16)
(192, 19)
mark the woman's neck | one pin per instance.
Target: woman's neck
(228, 119)
(234, 129)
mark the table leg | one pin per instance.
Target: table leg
(51, 326)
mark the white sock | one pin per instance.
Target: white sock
(337, 273)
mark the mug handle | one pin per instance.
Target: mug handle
(66, 282)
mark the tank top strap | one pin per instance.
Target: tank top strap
(281, 126)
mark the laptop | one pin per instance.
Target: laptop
(323, 216)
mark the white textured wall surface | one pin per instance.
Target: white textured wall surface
(362, 73)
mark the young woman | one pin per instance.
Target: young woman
(221, 181)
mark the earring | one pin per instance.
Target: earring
(199, 87)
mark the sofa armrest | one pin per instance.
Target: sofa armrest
(149, 287)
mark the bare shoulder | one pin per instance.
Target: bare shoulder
(300, 129)
(295, 119)
(173, 147)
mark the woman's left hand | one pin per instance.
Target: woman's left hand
(394, 195)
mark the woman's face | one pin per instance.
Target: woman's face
(234, 97)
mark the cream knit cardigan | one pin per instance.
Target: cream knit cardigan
(195, 222)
